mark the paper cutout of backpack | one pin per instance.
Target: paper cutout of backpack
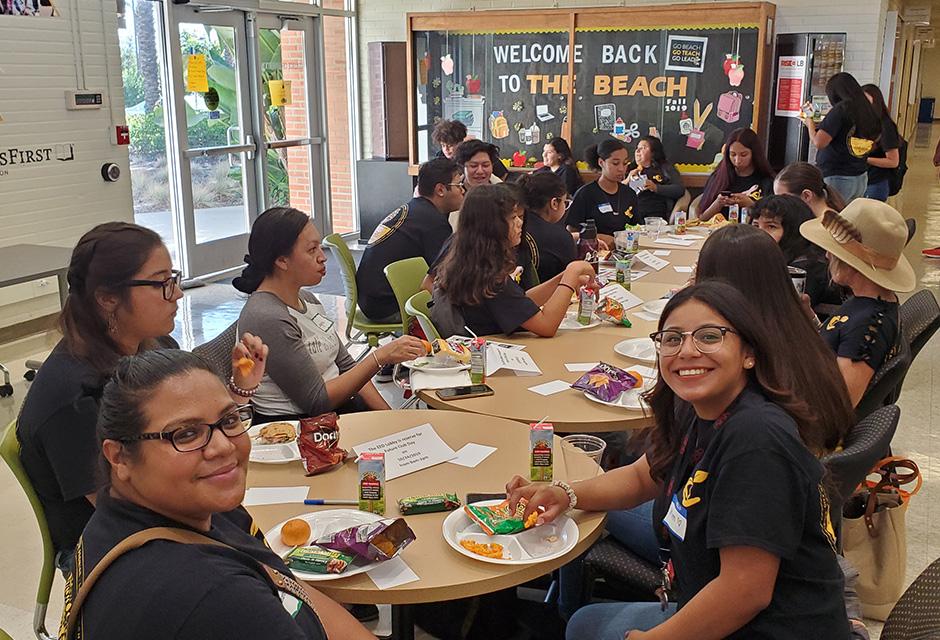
(696, 139)
(499, 127)
(729, 106)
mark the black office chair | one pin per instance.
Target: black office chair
(916, 616)
(885, 385)
(920, 319)
(911, 228)
(218, 351)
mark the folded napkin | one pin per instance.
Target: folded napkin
(421, 380)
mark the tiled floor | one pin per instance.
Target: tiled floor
(206, 311)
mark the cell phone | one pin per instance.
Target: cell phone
(458, 393)
(480, 497)
(724, 193)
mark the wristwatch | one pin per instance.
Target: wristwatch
(572, 497)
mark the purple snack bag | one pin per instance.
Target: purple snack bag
(379, 540)
(607, 382)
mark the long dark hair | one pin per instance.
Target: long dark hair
(273, 235)
(724, 174)
(749, 259)
(103, 261)
(844, 88)
(560, 145)
(121, 414)
(657, 150)
(791, 212)
(877, 100)
(597, 152)
(797, 176)
(480, 257)
(538, 189)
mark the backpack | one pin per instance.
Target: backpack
(896, 179)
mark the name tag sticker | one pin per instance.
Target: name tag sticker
(605, 207)
(676, 518)
(323, 323)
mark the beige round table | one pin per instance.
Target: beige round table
(568, 410)
(646, 242)
(444, 573)
(667, 275)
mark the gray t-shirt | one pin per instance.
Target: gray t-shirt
(304, 352)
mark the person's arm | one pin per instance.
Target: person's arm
(71, 448)
(673, 189)
(891, 160)
(545, 322)
(714, 208)
(857, 375)
(821, 137)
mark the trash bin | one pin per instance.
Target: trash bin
(926, 110)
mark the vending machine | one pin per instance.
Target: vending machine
(803, 63)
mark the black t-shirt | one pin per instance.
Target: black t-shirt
(611, 212)
(550, 245)
(659, 203)
(890, 139)
(757, 186)
(863, 330)
(185, 591)
(746, 479)
(503, 313)
(839, 158)
(415, 229)
(568, 174)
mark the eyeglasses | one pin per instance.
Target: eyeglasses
(460, 185)
(169, 285)
(707, 339)
(193, 437)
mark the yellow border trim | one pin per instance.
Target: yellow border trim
(501, 32)
(684, 27)
(696, 168)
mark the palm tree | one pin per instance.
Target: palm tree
(147, 52)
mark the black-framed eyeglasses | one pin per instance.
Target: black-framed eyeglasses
(169, 285)
(707, 339)
(193, 437)
(460, 185)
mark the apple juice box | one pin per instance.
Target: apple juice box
(540, 450)
(372, 483)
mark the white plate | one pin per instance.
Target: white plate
(324, 523)
(628, 399)
(428, 363)
(528, 547)
(571, 323)
(273, 453)
(655, 306)
(638, 349)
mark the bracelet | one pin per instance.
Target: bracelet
(572, 498)
(377, 363)
(562, 284)
(244, 393)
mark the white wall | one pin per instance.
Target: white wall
(55, 202)
(862, 20)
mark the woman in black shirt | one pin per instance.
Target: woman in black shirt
(886, 156)
(805, 181)
(557, 156)
(740, 505)
(473, 284)
(663, 184)
(609, 203)
(743, 176)
(174, 452)
(550, 245)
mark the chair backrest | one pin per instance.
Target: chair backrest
(682, 204)
(405, 277)
(10, 452)
(884, 387)
(694, 206)
(347, 267)
(920, 319)
(218, 351)
(911, 228)
(916, 616)
(417, 307)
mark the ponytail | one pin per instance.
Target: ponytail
(597, 152)
(538, 189)
(273, 235)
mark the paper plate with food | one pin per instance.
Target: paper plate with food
(570, 322)
(275, 442)
(442, 355)
(337, 543)
(490, 532)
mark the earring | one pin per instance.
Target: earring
(112, 324)
(748, 364)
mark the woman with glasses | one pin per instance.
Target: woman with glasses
(740, 511)
(663, 184)
(123, 294)
(550, 245)
(174, 455)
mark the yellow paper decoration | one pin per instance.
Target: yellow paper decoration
(197, 79)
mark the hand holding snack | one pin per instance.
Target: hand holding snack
(552, 499)
(248, 360)
(400, 350)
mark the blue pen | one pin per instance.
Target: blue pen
(322, 501)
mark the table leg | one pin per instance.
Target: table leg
(403, 622)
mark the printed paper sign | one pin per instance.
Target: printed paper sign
(409, 451)
(513, 359)
(686, 53)
(791, 76)
(197, 78)
(651, 260)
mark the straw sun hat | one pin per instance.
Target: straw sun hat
(869, 236)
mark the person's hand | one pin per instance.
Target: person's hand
(723, 201)
(250, 347)
(550, 500)
(633, 174)
(401, 350)
(650, 186)
(741, 200)
(807, 307)
(602, 245)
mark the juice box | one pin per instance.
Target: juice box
(477, 361)
(586, 304)
(540, 447)
(372, 483)
(623, 272)
(681, 222)
(633, 240)
(734, 213)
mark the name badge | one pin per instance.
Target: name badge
(322, 323)
(676, 518)
(605, 207)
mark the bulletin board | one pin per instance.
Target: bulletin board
(690, 74)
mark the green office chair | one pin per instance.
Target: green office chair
(10, 452)
(406, 277)
(417, 307)
(4, 635)
(355, 318)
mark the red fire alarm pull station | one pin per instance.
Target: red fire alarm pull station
(122, 134)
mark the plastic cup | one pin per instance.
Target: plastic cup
(620, 241)
(582, 443)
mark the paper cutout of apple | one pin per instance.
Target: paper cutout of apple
(726, 65)
(518, 159)
(447, 64)
(736, 74)
(473, 85)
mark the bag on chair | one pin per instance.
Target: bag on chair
(874, 533)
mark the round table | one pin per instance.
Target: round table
(568, 410)
(444, 573)
(668, 274)
(647, 242)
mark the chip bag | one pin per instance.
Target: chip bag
(606, 382)
(319, 443)
(317, 560)
(612, 311)
(378, 540)
(499, 519)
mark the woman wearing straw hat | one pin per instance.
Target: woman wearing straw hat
(864, 245)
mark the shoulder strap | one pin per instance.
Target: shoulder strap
(280, 581)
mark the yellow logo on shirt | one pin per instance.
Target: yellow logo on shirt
(697, 478)
(825, 520)
(834, 320)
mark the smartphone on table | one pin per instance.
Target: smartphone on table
(458, 393)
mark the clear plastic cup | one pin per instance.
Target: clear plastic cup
(578, 444)
(655, 227)
(620, 241)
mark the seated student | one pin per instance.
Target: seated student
(558, 159)
(609, 203)
(781, 217)
(447, 134)
(174, 453)
(865, 244)
(805, 181)
(473, 284)
(663, 183)
(416, 229)
(309, 371)
(743, 176)
(550, 245)
(123, 294)
(478, 160)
